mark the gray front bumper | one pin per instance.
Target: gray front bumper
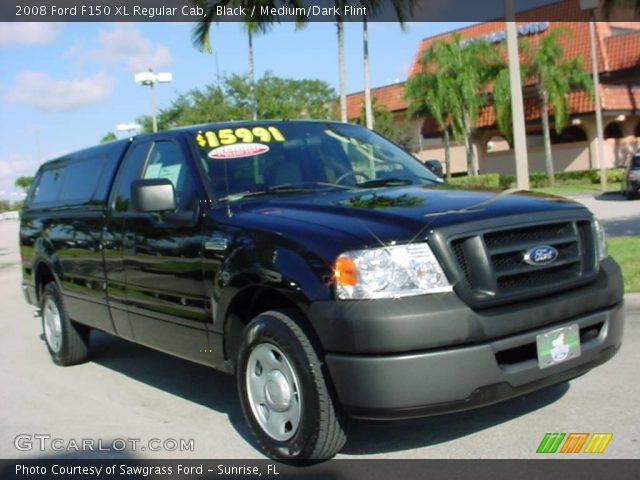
(451, 379)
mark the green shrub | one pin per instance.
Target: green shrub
(487, 180)
(537, 179)
(613, 175)
(507, 181)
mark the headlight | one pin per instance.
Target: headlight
(389, 272)
(601, 241)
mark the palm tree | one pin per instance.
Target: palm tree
(402, 9)
(555, 77)
(342, 74)
(253, 27)
(256, 24)
(467, 69)
(387, 125)
(502, 89)
(431, 93)
(368, 107)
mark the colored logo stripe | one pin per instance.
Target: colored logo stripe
(598, 443)
(550, 443)
(574, 442)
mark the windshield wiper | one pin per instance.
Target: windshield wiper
(284, 188)
(393, 181)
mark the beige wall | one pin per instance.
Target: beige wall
(566, 157)
(433, 152)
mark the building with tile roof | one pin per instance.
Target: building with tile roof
(618, 59)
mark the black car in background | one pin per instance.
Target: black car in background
(631, 178)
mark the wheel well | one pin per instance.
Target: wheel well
(246, 306)
(44, 275)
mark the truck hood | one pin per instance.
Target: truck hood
(392, 214)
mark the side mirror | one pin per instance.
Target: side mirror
(435, 166)
(153, 195)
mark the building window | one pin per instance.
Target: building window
(570, 134)
(613, 130)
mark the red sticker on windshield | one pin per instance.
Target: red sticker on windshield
(238, 150)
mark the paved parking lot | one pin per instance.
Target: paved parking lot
(619, 215)
(127, 392)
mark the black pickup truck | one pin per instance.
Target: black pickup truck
(325, 267)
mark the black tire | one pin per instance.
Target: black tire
(70, 344)
(321, 430)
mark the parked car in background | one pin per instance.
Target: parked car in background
(631, 178)
(436, 167)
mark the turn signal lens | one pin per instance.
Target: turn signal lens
(345, 271)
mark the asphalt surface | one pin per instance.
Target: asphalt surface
(619, 216)
(127, 393)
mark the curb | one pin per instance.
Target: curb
(632, 302)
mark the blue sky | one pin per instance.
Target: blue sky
(64, 86)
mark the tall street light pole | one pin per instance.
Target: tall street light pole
(149, 79)
(591, 5)
(517, 104)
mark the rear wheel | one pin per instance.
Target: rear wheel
(284, 392)
(67, 341)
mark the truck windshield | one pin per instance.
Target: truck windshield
(279, 158)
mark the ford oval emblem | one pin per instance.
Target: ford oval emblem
(540, 255)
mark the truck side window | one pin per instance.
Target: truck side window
(130, 172)
(47, 187)
(166, 160)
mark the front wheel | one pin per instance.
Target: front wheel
(285, 395)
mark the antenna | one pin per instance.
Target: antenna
(226, 186)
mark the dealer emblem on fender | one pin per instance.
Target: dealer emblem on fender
(540, 255)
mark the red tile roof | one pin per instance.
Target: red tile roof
(389, 96)
(623, 51)
(614, 52)
(614, 97)
(574, 43)
(620, 97)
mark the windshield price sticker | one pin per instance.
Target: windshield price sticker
(238, 150)
(231, 136)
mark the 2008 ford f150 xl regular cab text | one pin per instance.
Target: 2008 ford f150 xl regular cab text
(325, 267)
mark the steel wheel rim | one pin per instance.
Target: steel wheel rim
(273, 390)
(52, 325)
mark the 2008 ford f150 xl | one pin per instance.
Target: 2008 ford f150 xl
(331, 271)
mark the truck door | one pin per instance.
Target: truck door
(162, 257)
(113, 236)
(163, 260)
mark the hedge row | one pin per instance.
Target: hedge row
(538, 179)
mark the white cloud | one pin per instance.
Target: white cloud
(27, 33)
(13, 166)
(123, 43)
(51, 94)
